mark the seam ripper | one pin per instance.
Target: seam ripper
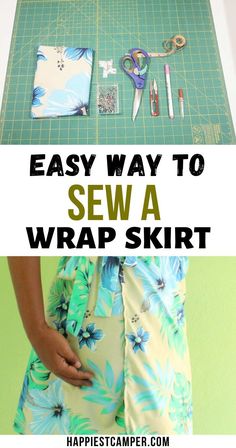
(154, 99)
(169, 92)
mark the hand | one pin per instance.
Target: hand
(56, 354)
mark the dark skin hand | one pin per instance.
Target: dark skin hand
(51, 347)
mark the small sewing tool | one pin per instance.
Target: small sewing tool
(181, 102)
(169, 92)
(154, 99)
(135, 64)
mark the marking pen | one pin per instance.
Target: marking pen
(169, 92)
(181, 102)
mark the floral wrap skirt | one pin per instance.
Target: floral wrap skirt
(124, 317)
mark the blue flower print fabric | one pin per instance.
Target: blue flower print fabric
(62, 82)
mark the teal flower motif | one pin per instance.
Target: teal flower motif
(80, 295)
(110, 301)
(36, 377)
(81, 425)
(19, 422)
(179, 267)
(23, 392)
(72, 99)
(180, 315)
(117, 305)
(49, 415)
(77, 53)
(173, 326)
(142, 430)
(110, 273)
(181, 405)
(58, 304)
(60, 326)
(61, 307)
(41, 56)
(106, 390)
(130, 261)
(89, 336)
(155, 391)
(139, 340)
(120, 416)
(159, 285)
(59, 298)
(38, 92)
(69, 267)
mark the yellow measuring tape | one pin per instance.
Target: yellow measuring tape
(171, 46)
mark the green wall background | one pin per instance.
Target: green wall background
(211, 316)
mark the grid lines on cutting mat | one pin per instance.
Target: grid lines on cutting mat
(111, 28)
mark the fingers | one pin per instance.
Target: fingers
(71, 357)
(77, 383)
(67, 364)
(71, 373)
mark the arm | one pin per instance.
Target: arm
(26, 277)
(52, 348)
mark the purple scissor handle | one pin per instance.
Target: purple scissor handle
(136, 64)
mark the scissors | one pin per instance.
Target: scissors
(135, 64)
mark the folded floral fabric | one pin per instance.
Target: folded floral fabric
(62, 81)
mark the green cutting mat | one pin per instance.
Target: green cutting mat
(112, 27)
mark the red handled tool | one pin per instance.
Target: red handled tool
(154, 99)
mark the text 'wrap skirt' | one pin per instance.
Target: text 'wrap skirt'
(124, 317)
